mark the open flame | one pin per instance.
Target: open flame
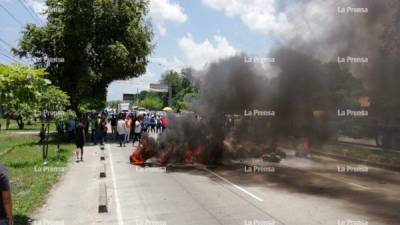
(142, 152)
(194, 155)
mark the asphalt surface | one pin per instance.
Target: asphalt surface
(252, 192)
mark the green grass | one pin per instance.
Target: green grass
(35, 126)
(30, 184)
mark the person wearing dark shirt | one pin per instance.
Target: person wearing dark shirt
(80, 140)
(5, 198)
(42, 134)
(114, 126)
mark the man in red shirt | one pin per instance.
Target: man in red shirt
(164, 122)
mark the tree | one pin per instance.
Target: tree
(20, 89)
(384, 77)
(113, 104)
(53, 100)
(152, 102)
(181, 84)
(86, 44)
(173, 79)
(64, 116)
(24, 90)
(143, 95)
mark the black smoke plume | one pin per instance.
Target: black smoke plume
(303, 86)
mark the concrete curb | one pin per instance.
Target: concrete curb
(103, 171)
(103, 206)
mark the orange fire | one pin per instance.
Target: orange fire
(168, 154)
(141, 153)
(136, 157)
(193, 155)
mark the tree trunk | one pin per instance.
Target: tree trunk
(20, 123)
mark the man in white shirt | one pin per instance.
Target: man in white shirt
(138, 130)
(121, 129)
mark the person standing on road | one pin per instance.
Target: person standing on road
(80, 140)
(121, 129)
(158, 125)
(128, 122)
(105, 128)
(92, 124)
(6, 217)
(70, 129)
(164, 123)
(100, 129)
(153, 124)
(138, 130)
(132, 133)
(114, 127)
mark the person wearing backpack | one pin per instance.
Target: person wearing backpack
(153, 124)
(158, 125)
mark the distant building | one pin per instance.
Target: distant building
(129, 97)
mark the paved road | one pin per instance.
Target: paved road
(295, 192)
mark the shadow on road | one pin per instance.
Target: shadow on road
(380, 205)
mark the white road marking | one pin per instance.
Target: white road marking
(234, 185)
(119, 214)
(343, 181)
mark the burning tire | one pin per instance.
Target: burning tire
(271, 157)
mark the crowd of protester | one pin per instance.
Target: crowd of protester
(94, 127)
(124, 127)
(130, 126)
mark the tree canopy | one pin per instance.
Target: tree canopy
(86, 44)
(182, 87)
(24, 90)
(152, 101)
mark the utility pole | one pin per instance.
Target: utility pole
(170, 95)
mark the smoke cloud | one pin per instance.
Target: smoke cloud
(306, 75)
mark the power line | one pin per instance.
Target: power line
(10, 14)
(9, 45)
(8, 51)
(8, 55)
(7, 59)
(10, 58)
(32, 14)
(6, 43)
